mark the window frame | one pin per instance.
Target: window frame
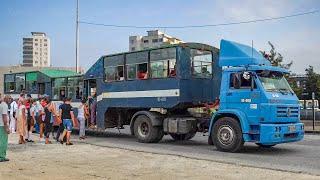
(115, 66)
(167, 61)
(192, 67)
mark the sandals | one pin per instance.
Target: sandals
(69, 144)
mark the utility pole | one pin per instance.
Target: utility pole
(77, 39)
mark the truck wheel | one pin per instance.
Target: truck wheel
(265, 146)
(227, 135)
(183, 137)
(145, 132)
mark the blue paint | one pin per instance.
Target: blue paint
(267, 110)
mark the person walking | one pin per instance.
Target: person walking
(66, 113)
(30, 122)
(4, 128)
(13, 111)
(21, 121)
(47, 120)
(60, 123)
(82, 120)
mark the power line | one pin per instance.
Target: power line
(201, 26)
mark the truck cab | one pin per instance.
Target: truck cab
(256, 102)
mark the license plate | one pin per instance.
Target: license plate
(292, 128)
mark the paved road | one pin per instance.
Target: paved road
(303, 156)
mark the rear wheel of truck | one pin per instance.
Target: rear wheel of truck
(145, 132)
(183, 137)
(227, 135)
(265, 146)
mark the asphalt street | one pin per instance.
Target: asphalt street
(300, 157)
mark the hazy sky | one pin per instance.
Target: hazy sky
(297, 38)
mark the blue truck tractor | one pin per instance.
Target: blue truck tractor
(158, 92)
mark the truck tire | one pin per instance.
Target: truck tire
(265, 146)
(145, 132)
(227, 135)
(183, 137)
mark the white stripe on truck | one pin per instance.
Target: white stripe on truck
(140, 94)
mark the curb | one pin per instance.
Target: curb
(311, 132)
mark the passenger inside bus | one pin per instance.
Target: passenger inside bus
(173, 72)
(120, 75)
(142, 72)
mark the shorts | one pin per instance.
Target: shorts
(67, 123)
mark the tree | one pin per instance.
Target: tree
(312, 83)
(275, 58)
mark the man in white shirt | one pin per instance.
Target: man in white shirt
(13, 110)
(4, 128)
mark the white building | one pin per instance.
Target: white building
(155, 38)
(36, 50)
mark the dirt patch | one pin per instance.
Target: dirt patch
(83, 161)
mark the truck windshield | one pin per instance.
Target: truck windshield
(274, 81)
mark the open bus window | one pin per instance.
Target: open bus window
(136, 65)
(114, 68)
(9, 83)
(163, 63)
(20, 82)
(201, 63)
(142, 71)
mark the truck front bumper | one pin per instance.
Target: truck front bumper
(281, 133)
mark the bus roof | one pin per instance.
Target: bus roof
(190, 45)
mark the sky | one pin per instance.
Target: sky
(297, 38)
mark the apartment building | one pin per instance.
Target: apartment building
(155, 38)
(36, 50)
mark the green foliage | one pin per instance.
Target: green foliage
(312, 84)
(275, 58)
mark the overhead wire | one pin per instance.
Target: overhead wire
(201, 26)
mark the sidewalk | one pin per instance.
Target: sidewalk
(308, 126)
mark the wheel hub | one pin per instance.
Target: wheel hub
(143, 129)
(225, 135)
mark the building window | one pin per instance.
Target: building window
(132, 41)
(36, 44)
(161, 40)
(35, 39)
(114, 68)
(201, 63)
(133, 49)
(137, 65)
(145, 41)
(45, 40)
(163, 63)
(45, 44)
(154, 40)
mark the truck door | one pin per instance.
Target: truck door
(244, 95)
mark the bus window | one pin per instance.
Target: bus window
(142, 71)
(201, 63)
(114, 68)
(20, 82)
(9, 83)
(163, 63)
(137, 65)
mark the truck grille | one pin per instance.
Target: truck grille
(287, 111)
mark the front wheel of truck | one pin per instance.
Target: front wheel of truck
(227, 135)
